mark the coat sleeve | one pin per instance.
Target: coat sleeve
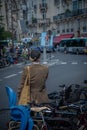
(23, 77)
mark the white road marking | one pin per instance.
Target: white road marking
(85, 63)
(63, 63)
(52, 62)
(10, 76)
(74, 63)
(20, 72)
(45, 62)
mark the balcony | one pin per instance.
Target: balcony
(43, 7)
(63, 16)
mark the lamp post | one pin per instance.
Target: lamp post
(44, 30)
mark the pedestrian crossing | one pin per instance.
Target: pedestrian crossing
(57, 62)
(52, 62)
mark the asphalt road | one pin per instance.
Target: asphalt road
(63, 69)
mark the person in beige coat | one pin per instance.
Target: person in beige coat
(38, 76)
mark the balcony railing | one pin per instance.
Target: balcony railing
(73, 13)
(47, 20)
(41, 22)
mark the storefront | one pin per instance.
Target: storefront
(57, 39)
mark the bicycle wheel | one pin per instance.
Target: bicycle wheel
(60, 124)
(4, 118)
(46, 127)
(14, 125)
(35, 127)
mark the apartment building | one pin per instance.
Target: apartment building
(41, 14)
(62, 17)
(14, 17)
(71, 18)
(3, 15)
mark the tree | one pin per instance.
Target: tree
(4, 35)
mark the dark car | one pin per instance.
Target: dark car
(34, 48)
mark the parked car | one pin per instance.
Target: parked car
(34, 48)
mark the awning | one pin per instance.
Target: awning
(57, 39)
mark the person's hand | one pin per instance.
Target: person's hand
(38, 109)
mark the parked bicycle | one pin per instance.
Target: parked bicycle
(6, 61)
(43, 119)
(80, 118)
(47, 116)
(68, 94)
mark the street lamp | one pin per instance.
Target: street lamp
(43, 11)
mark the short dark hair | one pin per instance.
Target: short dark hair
(34, 55)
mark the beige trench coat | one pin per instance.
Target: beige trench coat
(38, 76)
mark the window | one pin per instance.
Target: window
(75, 5)
(84, 25)
(63, 30)
(81, 43)
(58, 31)
(67, 30)
(44, 15)
(62, 43)
(71, 29)
(43, 1)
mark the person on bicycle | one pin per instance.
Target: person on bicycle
(38, 76)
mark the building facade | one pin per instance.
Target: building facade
(71, 17)
(25, 18)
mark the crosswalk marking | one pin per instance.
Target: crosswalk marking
(85, 63)
(10, 76)
(51, 63)
(63, 63)
(20, 72)
(74, 63)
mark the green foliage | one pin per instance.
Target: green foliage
(4, 35)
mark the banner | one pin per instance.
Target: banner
(45, 40)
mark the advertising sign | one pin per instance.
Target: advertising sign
(43, 38)
(46, 41)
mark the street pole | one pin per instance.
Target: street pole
(12, 21)
(44, 30)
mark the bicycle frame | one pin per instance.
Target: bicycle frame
(39, 121)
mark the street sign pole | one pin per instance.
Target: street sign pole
(44, 55)
(44, 30)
